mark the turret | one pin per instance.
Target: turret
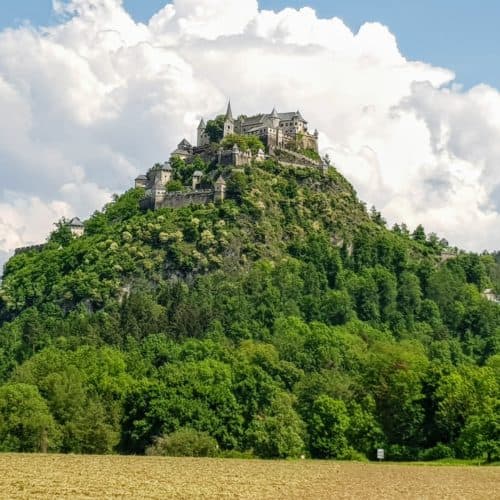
(275, 119)
(197, 175)
(141, 181)
(228, 121)
(163, 175)
(201, 132)
(220, 189)
(76, 227)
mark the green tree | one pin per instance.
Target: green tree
(244, 142)
(26, 424)
(327, 424)
(278, 432)
(215, 129)
(481, 434)
(174, 186)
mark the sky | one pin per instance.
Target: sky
(457, 34)
(404, 94)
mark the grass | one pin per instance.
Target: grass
(78, 477)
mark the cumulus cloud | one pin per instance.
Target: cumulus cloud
(90, 102)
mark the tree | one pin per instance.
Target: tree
(62, 234)
(481, 434)
(174, 186)
(26, 424)
(244, 142)
(278, 432)
(419, 234)
(327, 425)
(236, 186)
(376, 217)
(215, 129)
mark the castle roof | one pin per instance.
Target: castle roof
(229, 112)
(75, 222)
(197, 173)
(290, 116)
(184, 144)
(166, 167)
(256, 121)
(141, 177)
(202, 124)
(220, 181)
(253, 120)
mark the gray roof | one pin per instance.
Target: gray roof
(202, 124)
(141, 177)
(220, 180)
(229, 112)
(184, 144)
(290, 115)
(253, 120)
(75, 222)
(166, 167)
(197, 173)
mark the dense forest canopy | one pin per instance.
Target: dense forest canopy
(286, 320)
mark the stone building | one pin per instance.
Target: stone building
(275, 130)
(76, 227)
(157, 196)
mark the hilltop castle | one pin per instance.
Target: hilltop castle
(275, 130)
(285, 136)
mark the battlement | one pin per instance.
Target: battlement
(29, 248)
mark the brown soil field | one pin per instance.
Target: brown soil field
(76, 477)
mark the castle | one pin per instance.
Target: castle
(284, 136)
(275, 130)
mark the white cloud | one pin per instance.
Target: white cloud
(88, 103)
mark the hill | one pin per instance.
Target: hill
(285, 320)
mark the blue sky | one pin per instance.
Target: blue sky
(457, 34)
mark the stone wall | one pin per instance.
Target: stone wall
(31, 248)
(184, 199)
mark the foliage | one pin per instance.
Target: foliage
(184, 443)
(175, 185)
(215, 129)
(244, 142)
(286, 320)
(25, 421)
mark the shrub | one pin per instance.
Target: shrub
(185, 443)
(437, 452)
(174, 186)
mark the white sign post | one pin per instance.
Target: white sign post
(380, 454)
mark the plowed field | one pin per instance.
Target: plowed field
(72, 476)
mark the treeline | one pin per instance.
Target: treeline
(248, 329)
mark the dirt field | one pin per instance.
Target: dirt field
(57, 476)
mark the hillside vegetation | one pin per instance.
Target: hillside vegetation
(286, 320)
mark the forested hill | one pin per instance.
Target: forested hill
(286, 320)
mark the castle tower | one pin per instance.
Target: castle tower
(220, 189)
(275, 119)
(228, 121)
(141, 181)
(163, 175)
(201, 132)
(76, 227)
(236, 153)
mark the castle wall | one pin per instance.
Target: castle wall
(31, 248)
(181, 199)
